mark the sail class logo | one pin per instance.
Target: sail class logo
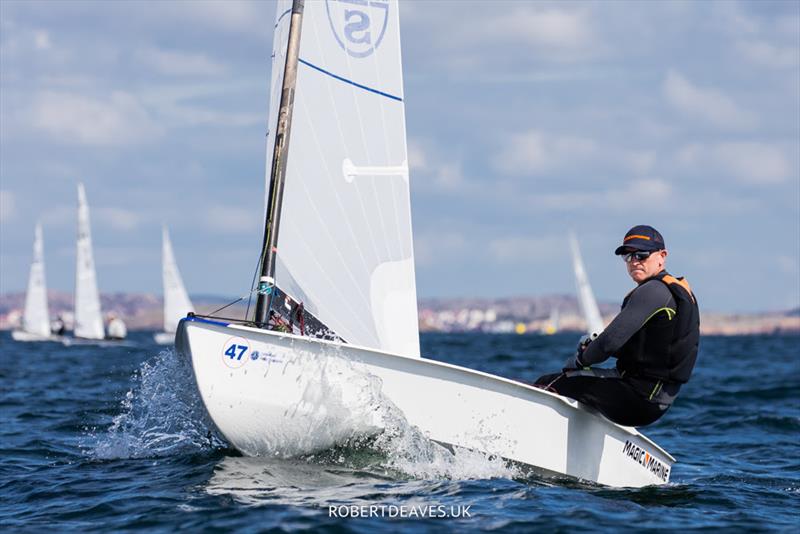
(358, 25)
(646, 460)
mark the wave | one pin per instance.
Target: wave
(161, 415)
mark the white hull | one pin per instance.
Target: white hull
(164, 338)
(263, 398)
(21, 335)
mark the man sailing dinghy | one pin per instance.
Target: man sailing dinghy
(337, 287)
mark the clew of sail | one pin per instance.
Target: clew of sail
(36, 318)
(586, 300)
(345, 246)
(176, 301)
(88, 315)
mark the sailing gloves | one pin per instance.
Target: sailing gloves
(574, 362)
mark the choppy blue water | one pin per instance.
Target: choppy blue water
(99, 439)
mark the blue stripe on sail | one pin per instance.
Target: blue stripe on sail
(351, 82)
(282, 15)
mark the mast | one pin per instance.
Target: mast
(269, 249)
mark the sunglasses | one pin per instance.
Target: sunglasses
(637, 256)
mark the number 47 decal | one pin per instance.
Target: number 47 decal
(231, 351)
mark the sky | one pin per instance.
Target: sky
(525, 120)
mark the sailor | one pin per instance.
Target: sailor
(654, 340)
(58, 327)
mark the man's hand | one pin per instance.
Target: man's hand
(573, 363)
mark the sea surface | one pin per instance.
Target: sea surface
(116, 439)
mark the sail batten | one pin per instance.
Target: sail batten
(345, 241)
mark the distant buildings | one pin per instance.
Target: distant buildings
(522, 315)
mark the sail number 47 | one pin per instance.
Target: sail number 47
(234, 352)
(233, 349)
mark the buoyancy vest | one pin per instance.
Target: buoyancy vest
(665, 348)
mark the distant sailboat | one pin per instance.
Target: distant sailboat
(88, 313)
(176, 300)
(586, 300)
(36, 317)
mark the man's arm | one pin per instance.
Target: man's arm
(643, 303)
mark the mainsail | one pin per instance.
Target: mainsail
(36, 318)
(176, 300)
(88, 315)
(345, 246)
(588, 305)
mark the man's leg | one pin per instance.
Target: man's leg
(610, 395)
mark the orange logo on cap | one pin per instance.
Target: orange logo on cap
(636, 237)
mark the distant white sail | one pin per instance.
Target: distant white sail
(88, 315)
(176, 300)
(588, 305)
(36, 318)
(345, 246)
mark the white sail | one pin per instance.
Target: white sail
(176, 300)
(345, 246)
(36, 318)
(586, 300)
(88, 315)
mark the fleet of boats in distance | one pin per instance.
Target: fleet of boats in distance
(86, 323)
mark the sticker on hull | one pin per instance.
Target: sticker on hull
(235, 352)
(646, 460)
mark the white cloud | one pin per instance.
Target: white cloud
(417, 159)
(231, 219)
(101, 217)
(41, 40)
(654, 193)
(120, 119)
(118, 218)
(769, 55)
(176, 104)
(537, 152)
(709, 104)
(545, 27)
(175, 63)
(232, 15)
(734, 19)
(550, 33)
(438, 247)
(534, 152)
(515, 249)
(430, 170)
(749, 162)
(7, 205)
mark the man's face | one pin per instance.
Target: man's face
(641, 270)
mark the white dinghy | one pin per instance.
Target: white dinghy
(36, 317)
(176, 300)
(586, 300)
(336, 317)
(88, 313)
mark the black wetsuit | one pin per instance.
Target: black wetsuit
(628, 395)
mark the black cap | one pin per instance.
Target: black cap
(641, 237)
